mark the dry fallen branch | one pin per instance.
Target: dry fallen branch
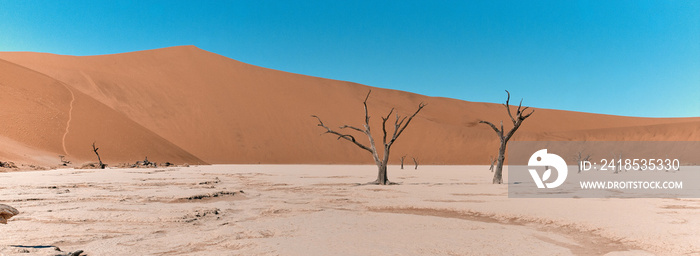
(7, 212)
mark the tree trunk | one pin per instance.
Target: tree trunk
(102, 166)
(498, 174)
(382, 178)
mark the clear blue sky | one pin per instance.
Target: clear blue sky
(636, 58)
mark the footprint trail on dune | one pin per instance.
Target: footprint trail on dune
(70, 117)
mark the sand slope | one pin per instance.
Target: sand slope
(221, 110)
(43, 117)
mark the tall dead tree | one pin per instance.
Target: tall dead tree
(400, 125)
(504, 137)
(102, 166)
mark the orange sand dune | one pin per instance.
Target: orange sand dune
(43, 118)
(184, 104)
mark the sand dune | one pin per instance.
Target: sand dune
(45, 118)
(184, 104)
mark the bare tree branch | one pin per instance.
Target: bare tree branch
(396, 136)
(352, 127)
(347, 137)
(493, 127)
(490, 124)
(508, 107)
(384, 126)
(399, 123)
(365, 104)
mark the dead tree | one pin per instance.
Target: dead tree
(504, 137)
(493, 162)
(8, 165)
(64, 162)
(101, 165)
(402, 158)
(400, 125)
(145, 163)
(415, 162)
(579, 158)
(616, 167)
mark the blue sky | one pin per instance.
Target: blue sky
(634, 58)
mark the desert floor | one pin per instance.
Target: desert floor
(322, 210)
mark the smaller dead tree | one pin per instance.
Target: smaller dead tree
(415, 162)
(146, 163)
(101, 165)
(520, 116)
(402, 158)
(493, 161)
(8, 165)
(580, 158)
(617, 167)
(64, 162)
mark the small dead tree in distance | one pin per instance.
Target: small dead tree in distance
(504, 137)
(580, 158)
(402, 158)
(415, 162)
(102, 166)
(64, 162)
(400, 125)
